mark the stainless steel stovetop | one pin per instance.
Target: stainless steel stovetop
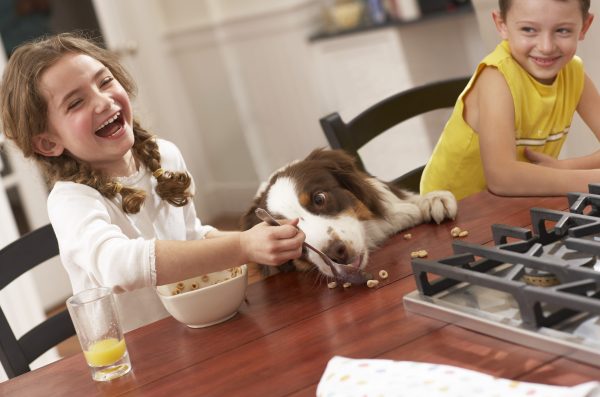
(538, 287)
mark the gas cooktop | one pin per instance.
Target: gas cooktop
(538, 287)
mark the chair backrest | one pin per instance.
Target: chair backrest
(17, 258)
(387, 113)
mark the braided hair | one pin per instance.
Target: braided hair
(24, 115)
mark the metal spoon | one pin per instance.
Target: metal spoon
(348, 273)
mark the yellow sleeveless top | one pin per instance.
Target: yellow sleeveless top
(543, 115)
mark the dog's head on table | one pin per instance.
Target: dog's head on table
(334, 202)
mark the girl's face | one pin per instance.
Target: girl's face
(543, 34)
(89, 115)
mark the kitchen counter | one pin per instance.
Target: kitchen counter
(366, 26)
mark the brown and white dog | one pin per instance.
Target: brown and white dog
(343, 212)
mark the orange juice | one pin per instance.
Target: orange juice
(105, 352)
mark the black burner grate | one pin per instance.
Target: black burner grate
(562, 245)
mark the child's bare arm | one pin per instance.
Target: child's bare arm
(179, 260)
(504, 174)
(589, 106)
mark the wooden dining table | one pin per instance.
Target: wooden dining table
(292, 324)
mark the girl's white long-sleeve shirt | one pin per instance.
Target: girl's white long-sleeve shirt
(100, 245)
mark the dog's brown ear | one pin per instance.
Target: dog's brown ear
(336, 160)
(337, 156)
(249, 219)
(343, 167)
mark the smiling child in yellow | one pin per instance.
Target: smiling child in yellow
(510, 122)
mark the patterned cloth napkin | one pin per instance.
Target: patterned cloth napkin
(346, 377)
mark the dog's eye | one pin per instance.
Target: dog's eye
(319, 199)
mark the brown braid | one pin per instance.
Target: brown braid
(172, 186)
(24, 115)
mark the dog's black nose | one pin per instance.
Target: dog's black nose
(338, 252)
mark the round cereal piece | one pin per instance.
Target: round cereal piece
(372, 283)
(205, 278)
(383, 274)
(455, 231)
(180, 285)
(346, 285)
(414, 254)
(176, 292)
(332, 285)
(195, 285)
(463, 233)
(422, 253)
(407, 236)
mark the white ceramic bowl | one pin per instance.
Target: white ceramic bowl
(206, 300)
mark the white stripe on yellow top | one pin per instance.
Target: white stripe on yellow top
(542, 142)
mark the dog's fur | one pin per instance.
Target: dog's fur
(343, 212)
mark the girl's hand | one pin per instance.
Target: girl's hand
(272, 245)
(541, 159)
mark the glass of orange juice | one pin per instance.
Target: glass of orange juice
(98, 327)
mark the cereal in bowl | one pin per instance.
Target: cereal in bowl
(206, 280)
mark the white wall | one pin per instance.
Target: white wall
(581, 141)
(258, 86)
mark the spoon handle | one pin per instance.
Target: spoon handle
(264, 216)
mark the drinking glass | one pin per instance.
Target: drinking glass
(94, 314)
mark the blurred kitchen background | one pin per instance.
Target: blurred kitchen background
(239, 86)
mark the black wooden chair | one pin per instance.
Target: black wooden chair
(17, 258)
(387, 113)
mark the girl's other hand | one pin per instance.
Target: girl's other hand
(272, 245)
(541, 159)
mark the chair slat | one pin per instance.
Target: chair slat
(28, 251)
(382, 116)
(16, 259)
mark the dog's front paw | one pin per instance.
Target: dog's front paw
(438, 205)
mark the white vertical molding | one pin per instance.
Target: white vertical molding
(252, 134)
(230, 28)
(232, 64)
(274, 89)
